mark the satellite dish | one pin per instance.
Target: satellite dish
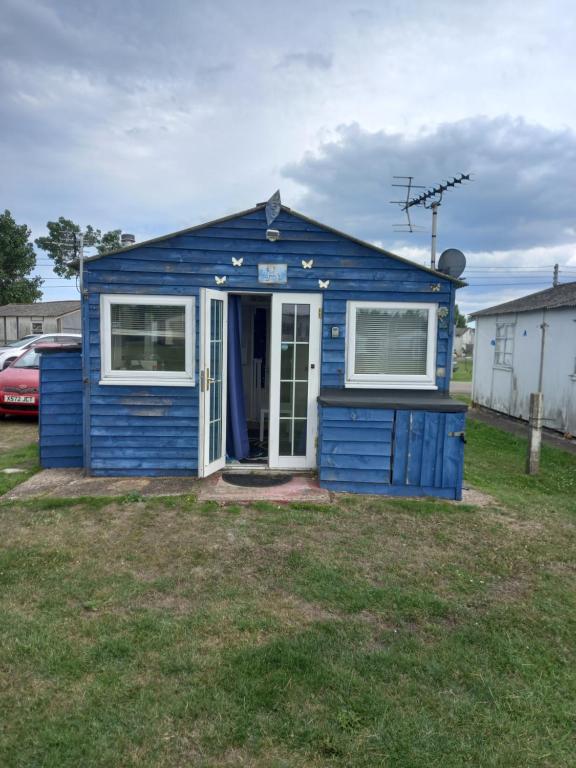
(452, 262)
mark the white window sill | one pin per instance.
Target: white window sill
(148, 382)
(388, 385)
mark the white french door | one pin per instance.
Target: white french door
(213, 372)
(294, 380)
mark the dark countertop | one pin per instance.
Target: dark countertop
(394, 399)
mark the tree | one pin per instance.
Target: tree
(17, 260)
(459, 319)
(62, 244)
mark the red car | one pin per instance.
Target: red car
(19, 383)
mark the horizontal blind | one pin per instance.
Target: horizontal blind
(391, 341)
(148, 320)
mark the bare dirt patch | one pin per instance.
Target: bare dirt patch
(16, 433)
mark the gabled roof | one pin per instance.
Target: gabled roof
(563, 295)
(39, 309)
(292, 212)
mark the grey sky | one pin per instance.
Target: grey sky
(155, 116)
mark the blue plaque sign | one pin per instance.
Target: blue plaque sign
(273, 273)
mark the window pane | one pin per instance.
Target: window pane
(504, 347)
(148, 337)
(391, 341)
(29, 360)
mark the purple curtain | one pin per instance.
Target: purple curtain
(237, 445)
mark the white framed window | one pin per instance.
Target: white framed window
(37, 326)
(504, 347)
(391, 344)
(147, 340)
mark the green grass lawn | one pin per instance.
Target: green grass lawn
(464, 370)
(368, 632)
(24, 458)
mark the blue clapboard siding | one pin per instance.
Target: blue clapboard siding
(61, 410)
(392, 452)
(126, 424)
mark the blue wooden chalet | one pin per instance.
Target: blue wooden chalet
(242, 342)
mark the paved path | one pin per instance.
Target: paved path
(460, 387)
(72, 484)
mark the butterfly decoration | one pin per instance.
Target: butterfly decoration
(323, 283)
(435, 287)
(307, 264)
(220, 280)
(237, 262)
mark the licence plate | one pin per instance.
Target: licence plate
(18, 399)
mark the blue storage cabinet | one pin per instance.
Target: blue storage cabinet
(61, 408)
(414, 447)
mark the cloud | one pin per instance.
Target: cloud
(153, 117)
(308, 59)
(522, 194)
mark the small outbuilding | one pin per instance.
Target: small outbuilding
(263, 339)
(464, 341)
(19, 320)
(529, 345)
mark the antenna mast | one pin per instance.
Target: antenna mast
(432, 199)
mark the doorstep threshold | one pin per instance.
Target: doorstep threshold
(264, 469)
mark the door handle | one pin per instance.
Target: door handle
(205, 380)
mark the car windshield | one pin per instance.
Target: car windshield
(22, 342)
(30, 359)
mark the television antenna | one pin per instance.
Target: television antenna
(430, 199)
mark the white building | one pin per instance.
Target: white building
(18, 320)
(463, 341)
(529, 345)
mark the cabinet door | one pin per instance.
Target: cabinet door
(428, 450)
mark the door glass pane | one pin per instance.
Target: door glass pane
(303, 323)
(300, 437)
(294, 375)
(301, 399)
(285, 437)
(288, 318)
(286, 362)
(215, 373)
(286, 398)
(301, 369)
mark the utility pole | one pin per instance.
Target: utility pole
(79, 243)
(434, 208)
(536, 415)
(535, 434)
(555, 276)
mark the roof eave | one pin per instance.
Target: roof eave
(457, 281)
